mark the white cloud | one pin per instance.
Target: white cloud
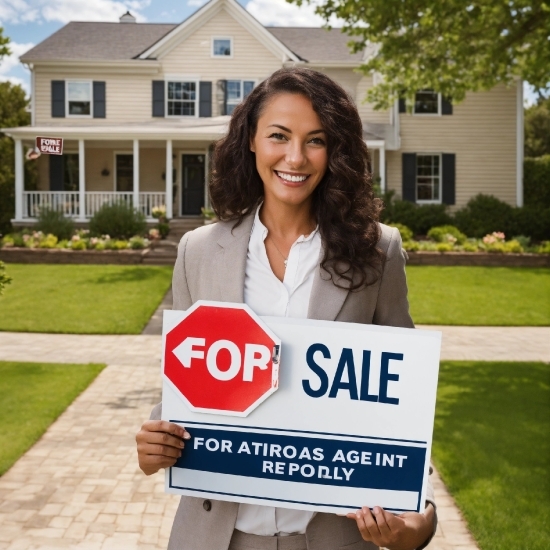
(17, 81)
(10, 62)
(197, 3)
(279, 13)
(21, 11)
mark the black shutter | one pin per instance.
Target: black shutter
(446, 106)
(56, 173)
(99, 99)
(402, 105)
(158, 98)
(449, 178)
(205, 99)
(409, 177)
(58, 98)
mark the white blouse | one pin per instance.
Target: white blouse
(266, 295)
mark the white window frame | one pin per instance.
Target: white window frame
(433, 201)
(115, 153)
(183, 79)
(213, 55)
(242, 81)
(439, 101)
(79, 81)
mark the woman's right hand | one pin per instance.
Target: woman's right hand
(159, 445)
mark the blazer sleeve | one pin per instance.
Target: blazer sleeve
(180, 288)
(392, 305)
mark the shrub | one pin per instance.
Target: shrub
(49, 241)
(137, 243)
(536, 181)
(5, 279)
(447, 234)
(411, 246)
(484, 214)
(532, 221)
(470, 246)
(444, 247)
(119, 220)
(513, 246)
(419, 218)
(544, 248)
(164, 229)
(53, 222)
(404, 231)
(78, 245)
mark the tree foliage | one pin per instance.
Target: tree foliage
(450, 46)
(537, 129)
(13, 112)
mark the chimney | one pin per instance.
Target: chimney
(127, 18)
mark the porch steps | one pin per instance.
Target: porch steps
(180, 226)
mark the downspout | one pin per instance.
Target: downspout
(520, 135)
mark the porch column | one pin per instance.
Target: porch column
(81, 182)
(135, 197)
(382, 167)
(168, 179)
(19, 180)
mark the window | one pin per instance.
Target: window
(79, 98)
(222, 47)
(70, 171)
(427, 102)
(124, 172)
(428, 178)
(182, 98)
(237, 90)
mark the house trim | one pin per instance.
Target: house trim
(204, 14)
(519, 144)
(108, 67)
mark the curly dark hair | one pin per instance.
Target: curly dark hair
(343, 203)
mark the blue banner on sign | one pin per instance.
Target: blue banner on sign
(299, 458)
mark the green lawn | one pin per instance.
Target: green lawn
(498, 296)
(82, 299)
(492, 447)
(33, 395)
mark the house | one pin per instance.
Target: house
(139, 106)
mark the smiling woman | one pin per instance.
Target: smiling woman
(298, 237)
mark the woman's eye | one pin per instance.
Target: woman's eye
(277, 135)
(318, 141)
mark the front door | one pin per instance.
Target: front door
(192, 184)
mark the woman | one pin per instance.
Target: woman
(297, 237)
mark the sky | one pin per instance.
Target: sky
(28, 22)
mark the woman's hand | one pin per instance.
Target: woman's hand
(159, 445)
(404, 532)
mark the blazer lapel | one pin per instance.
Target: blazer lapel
(232, 259)
(326, 299)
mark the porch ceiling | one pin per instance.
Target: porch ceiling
(186, 130)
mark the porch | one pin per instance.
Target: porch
(143, 166)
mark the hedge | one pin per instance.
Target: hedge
(536, 181)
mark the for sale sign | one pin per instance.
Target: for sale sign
(350, 424)
(49, 146)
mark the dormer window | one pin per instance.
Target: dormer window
(79, 98)
(427, 102)
(222, 47)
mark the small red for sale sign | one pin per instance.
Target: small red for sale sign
(49, 146)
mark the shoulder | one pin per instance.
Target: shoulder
(389, 241)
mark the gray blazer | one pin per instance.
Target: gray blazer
(211, 266)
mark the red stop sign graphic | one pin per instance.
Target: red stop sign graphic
(222, 359)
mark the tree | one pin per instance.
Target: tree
(537, 129)
(450, 46)
(13, 112)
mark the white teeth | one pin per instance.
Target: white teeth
(288, 177)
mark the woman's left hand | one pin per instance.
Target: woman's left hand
(404, 532)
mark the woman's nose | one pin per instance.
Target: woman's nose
(295, 157)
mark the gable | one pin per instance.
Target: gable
(209, 11)
(250, 58)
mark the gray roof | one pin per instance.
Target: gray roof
(98, 41)
(316, 44)
(90, 41)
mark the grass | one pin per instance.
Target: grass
(492, 447)
(33, 395)
(82, 299)
(496, 296)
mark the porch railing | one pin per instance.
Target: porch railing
(67, 202)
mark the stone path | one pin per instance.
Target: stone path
(80, 487)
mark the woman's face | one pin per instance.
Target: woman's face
(291, 149)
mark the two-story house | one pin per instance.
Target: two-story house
(139, 106)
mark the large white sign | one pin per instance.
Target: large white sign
(350, 424)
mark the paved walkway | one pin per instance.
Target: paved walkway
(80, 487)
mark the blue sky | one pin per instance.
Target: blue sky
(28, 22)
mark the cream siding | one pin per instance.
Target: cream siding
(366, 111)
(347, 78)
(481, 132)
(251, 60)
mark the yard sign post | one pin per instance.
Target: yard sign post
(349, 425)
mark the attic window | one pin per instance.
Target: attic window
(222, 47)
(427, 102)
